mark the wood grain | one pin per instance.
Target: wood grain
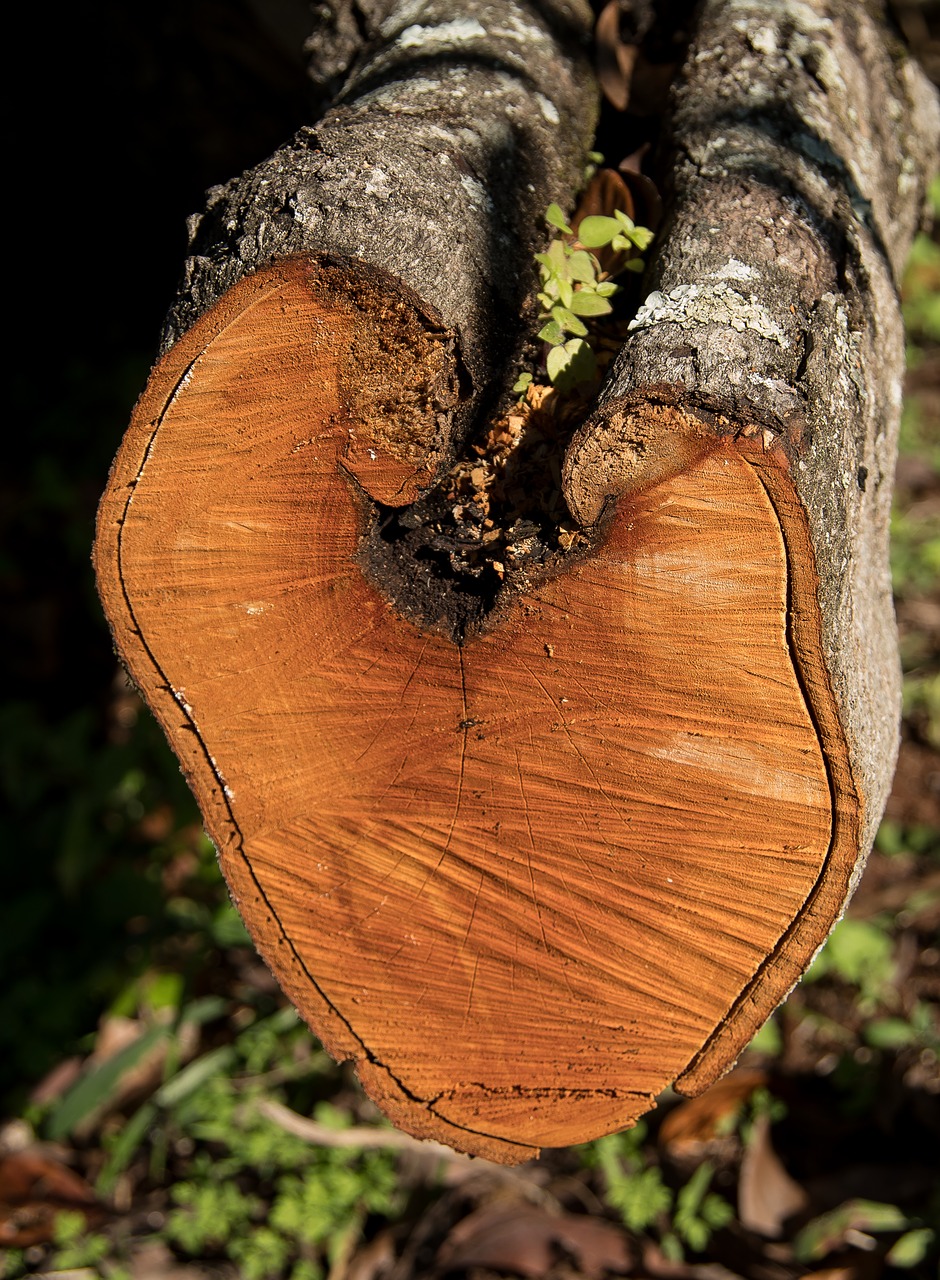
(525, 883)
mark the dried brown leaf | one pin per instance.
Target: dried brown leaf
(33, 1189)
(701, 1120)
(529, 1241)
(614, 60)
(767, 1195)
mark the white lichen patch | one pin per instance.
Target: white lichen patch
(418, 86)
(817, 54)
(763, 40)
(476, 192)
(798, 14)
(734, 269)
(547, 108)
(692, 305)
(460, 31)
(377, 184)
(776, 386)
(517, 28)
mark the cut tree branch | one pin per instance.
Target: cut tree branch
(529, 849)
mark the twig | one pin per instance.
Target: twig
(364, 1136)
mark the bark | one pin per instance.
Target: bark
(457, 127)
(800, 144)
(529, 873)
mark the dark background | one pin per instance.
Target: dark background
(128, 113)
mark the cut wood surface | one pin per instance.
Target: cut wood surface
(528, 864)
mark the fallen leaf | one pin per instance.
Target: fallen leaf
(643, 190)
(606, 192)
(528, 1242)
(767, 1195)
(700, 1120)
(34, 1188)
(614, 60)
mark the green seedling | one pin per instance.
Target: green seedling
(574, 290)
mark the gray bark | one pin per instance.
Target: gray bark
(457, 127)
(801, 141)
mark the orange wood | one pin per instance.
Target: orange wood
(525, 883)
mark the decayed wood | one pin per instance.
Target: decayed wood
(529, 871)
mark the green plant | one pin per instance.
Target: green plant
(861, 1221)
(320, 1201)
(574, 289)
(859, 952)
(267, 1200)
(635, 1189)
(698, 1213)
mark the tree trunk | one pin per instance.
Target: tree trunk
(530, 847)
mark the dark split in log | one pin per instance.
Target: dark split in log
(529, 850)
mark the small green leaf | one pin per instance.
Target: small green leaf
(889, 1033)
(910, 1249)
(522, 382)
(826, 1233)
(627, 223)
(606, 289)
(634, 264)
(565, 293)
(860, 952)
(123, 1146)
(556, 218)
(569, 321)
(556, 363)
(571, 364)
(639, 1197)
(558, 259)
(164, 990)
(671, 1247)
(205, 1009)
(553, 333)
(192, 1076)
(596, 230)
(582, 267)
(587, 303)
(642, 237)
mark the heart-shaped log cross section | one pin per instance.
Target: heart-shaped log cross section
(525, 881)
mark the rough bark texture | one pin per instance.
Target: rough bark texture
(457, 127)
(529, 874)
(800, 145)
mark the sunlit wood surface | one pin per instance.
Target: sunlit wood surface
(526, 882)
